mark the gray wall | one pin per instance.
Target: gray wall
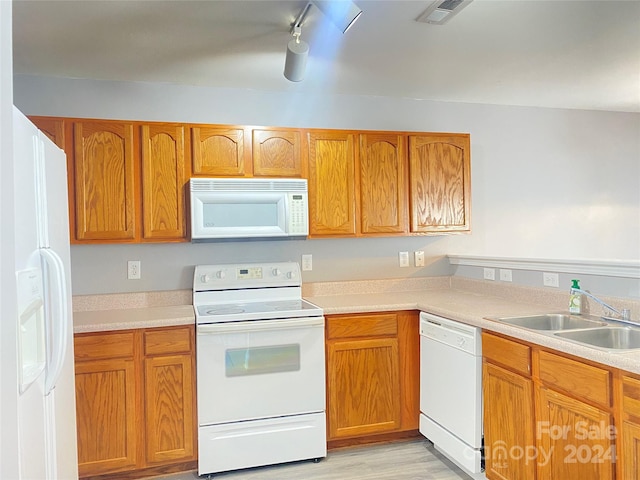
(546, 183)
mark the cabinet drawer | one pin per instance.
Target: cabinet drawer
(385, 324)
(631, 396)
(173, 340)
(586, 381)
(103, 345)
(508, 353)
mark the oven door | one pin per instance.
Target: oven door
(260, 369)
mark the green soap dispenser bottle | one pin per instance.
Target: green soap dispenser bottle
(575, 299)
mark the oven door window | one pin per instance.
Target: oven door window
(259, 360)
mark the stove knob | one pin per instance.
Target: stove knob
(291, 274)
(220, 274)
(276, 272)
(205, 278)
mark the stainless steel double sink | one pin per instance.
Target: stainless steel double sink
(582, 329)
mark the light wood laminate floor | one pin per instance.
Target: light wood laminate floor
(412, 460)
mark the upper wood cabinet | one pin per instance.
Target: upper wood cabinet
(332, 201)
(105, 181)
(277, 153)
(164, 179)
(439, 171)
(383, 183)
(218, 151)
(128, 181)
(53, 127)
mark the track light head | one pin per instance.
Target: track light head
(296, 59)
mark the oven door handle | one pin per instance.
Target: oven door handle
(259, 325)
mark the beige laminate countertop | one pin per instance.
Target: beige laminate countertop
(128, 318)
(473, 309)
(468, 301)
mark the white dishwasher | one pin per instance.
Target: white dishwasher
(451, 390)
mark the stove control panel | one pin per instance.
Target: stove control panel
(242, 276)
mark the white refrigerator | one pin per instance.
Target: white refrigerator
(45, 388)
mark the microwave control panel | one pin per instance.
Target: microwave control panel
(298, 214)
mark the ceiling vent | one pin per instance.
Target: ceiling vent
(441, 11)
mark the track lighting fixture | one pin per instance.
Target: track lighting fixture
(342, 14)
(296, 59)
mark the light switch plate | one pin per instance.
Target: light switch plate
(418, 257)
(403, 258)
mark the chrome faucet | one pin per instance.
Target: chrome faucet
(624, 315)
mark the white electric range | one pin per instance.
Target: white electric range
(260, 367)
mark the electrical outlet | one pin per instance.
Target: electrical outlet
(550, 279)
(418, 257)
(133, 269)
(505, 275)
(489, 273)
(403, 257)
(307, 262)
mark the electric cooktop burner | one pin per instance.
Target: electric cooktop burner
(256, 311)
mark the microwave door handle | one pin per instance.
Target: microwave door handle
(259, 325)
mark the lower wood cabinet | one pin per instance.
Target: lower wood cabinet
(372, 375)
(629, 467)
(549, 415)
(135, 400)
(508, 422)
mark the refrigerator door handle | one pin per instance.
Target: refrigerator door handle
(59, 329)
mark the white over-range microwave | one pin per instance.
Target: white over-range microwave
(225, 208)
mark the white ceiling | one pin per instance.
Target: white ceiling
(581, 54)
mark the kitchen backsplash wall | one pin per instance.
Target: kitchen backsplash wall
(170, 266)
(546, 183)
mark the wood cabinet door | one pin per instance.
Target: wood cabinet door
(163, 182)
(630, 451)
(383, 183)
(508, 424)
(218, 151)
(363, 387)
(439, 172)
(169, 409)
(105, 181)
(332, 206)
(277, 153)
(578, 436)
(106, 416)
